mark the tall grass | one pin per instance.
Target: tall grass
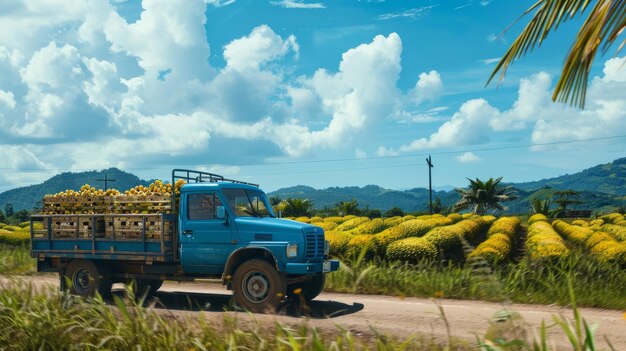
(15, 259)
(32, 320)
(527, 281)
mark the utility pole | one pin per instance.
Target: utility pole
(106, 181)
(429, 161)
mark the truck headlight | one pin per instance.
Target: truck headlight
(292, 250)
(326, 247)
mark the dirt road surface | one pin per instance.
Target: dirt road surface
(386, 314)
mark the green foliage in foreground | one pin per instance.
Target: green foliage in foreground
(16, 260)
(539, 282)
(31, 320)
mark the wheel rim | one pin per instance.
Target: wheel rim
(256, 287)
(81, 281)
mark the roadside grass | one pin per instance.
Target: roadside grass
(15, 259)
(595, 284)
(50, 320)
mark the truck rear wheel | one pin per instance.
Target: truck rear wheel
(307, 290)
(258, 287)
(86, 278)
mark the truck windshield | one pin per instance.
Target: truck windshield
(248, 203)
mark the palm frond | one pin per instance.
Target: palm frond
(605, 23)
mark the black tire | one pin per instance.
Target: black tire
(146, 286)
(309, 289)
(86, 278)
(258, 287)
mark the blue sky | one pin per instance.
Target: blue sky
(286, 92)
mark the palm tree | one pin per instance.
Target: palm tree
(296, 207)
(601, 28)
(541, 206)
(484, 196)
(348, 208)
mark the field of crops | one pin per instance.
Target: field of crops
(457, 237)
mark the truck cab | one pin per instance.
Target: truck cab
(216, 228)
(224, 225)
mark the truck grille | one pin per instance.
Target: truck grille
(314, 246)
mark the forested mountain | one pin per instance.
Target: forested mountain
(26, 198)
(601, 188)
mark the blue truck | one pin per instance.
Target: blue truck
(216, 228)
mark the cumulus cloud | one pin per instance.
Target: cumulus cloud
(429, 87)
(468, 157)
(261, 46)
(476, 120)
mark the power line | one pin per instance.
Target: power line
(495, 148)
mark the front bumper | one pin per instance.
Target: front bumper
(312, 267)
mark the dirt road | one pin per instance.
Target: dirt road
(390, 315)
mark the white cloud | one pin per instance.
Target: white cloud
(477, 120)
(383, 151)
(358, 153)
(177, 39)
(297, 4)
(428, 88)
(467, 127)
(410, 13)
(468, 157)
(490, 61)
(7, 99)
(261, 46)
(220, 3)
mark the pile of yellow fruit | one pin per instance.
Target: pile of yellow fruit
(154, 198)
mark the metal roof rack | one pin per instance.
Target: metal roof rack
(191, 176)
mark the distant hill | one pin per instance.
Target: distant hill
(25, 198)
(602, 187)
(608, 178)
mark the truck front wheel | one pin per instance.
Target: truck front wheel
(307, 290)
(86, 278)
(258, 287)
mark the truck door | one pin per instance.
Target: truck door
(205, 241)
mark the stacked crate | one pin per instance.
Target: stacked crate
(131, 227)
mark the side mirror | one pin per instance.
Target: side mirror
(220, 212)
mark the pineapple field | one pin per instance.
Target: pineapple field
(456, 238)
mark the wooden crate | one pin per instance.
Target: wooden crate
(74, 227)
(131, 227)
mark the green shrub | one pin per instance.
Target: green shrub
(505, 225)
(543, 242)
(15, 238)
(574, 233)
(617, 231)
(612, 218)
(352, 223)
(338, 242)
(316, 219)
(326, 225)
(412, 250)
(419, 227)
(495, 249)
(374, 226)
(361, 242)
(303, 219)
(455, 217)
(610, 251)
(537, 217)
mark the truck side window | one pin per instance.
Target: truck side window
(202, 206)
